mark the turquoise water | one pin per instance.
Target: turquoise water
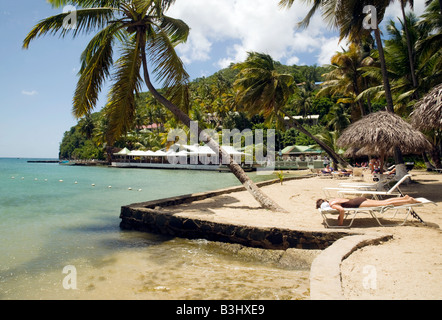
(53, 216)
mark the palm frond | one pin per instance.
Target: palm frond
(96, 63)
(168, 67)
(162, 6)
(85, 3)
(404, 96)
(376, 91)
(88, 20)
(180, 96)
(121, 105)
(176, 29)
(315, 7)
(286, 3)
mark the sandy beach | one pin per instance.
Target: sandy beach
(407, 267)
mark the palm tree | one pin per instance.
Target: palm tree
(330, 138)
(262, 90)
(86, 126)
(348, 17)
(407, 35)
(143, 30)
(304, 101)
(429, 2)
(427, 61)
(431, 22)
(346, 77)
(338, 118)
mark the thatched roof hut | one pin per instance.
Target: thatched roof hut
(428, 111)
(353, 152)
(380, 133)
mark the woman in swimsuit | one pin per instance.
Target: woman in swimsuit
(361, 202)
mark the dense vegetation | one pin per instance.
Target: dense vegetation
(212, 106)
(352, 86)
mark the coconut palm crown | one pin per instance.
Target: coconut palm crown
(137, 27)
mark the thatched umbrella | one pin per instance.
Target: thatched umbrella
(380, 133)
(353, 152)
(428, 111)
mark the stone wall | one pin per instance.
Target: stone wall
(155, 221)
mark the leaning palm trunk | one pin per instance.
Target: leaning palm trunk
(333, 155)
(234, 167)
(434, 153)
(427, 162)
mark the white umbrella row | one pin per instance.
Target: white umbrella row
(190, 150)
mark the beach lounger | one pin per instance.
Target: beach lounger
(374, 212)
(378, 186)
(393, 191)
(340, 175)
(358, 174)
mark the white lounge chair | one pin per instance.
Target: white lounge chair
(374, 212)
(378, 186)
(373, 185)
(393, 191)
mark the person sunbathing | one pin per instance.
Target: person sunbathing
(361, 202)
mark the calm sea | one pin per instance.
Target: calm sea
(60, 239)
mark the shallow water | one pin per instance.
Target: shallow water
(54, 216)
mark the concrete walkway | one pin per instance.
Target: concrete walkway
(325, 272)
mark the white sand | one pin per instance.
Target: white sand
(407, 267)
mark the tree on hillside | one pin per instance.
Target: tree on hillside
(262, 90)
(345, 78)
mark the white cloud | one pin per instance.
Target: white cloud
(329, 47)
(29, 93)
(394, 10)
(293, 60)
(223, 31)
(243, 26)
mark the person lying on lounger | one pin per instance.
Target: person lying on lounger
(360, 202)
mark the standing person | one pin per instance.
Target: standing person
(326, 161)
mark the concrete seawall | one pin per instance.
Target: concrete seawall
(150, 217)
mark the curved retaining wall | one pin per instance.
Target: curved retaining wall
(151, 220)
(149, 217)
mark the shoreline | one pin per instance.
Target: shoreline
(393, 280)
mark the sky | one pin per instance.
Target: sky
(37, 85)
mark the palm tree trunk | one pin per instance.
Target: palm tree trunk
(234, 167)
(410, 50)
(370, 109)
(356, 91)
(387, 87)
(427, 162)
(398, 158)
(333, 155)
(434, 153)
